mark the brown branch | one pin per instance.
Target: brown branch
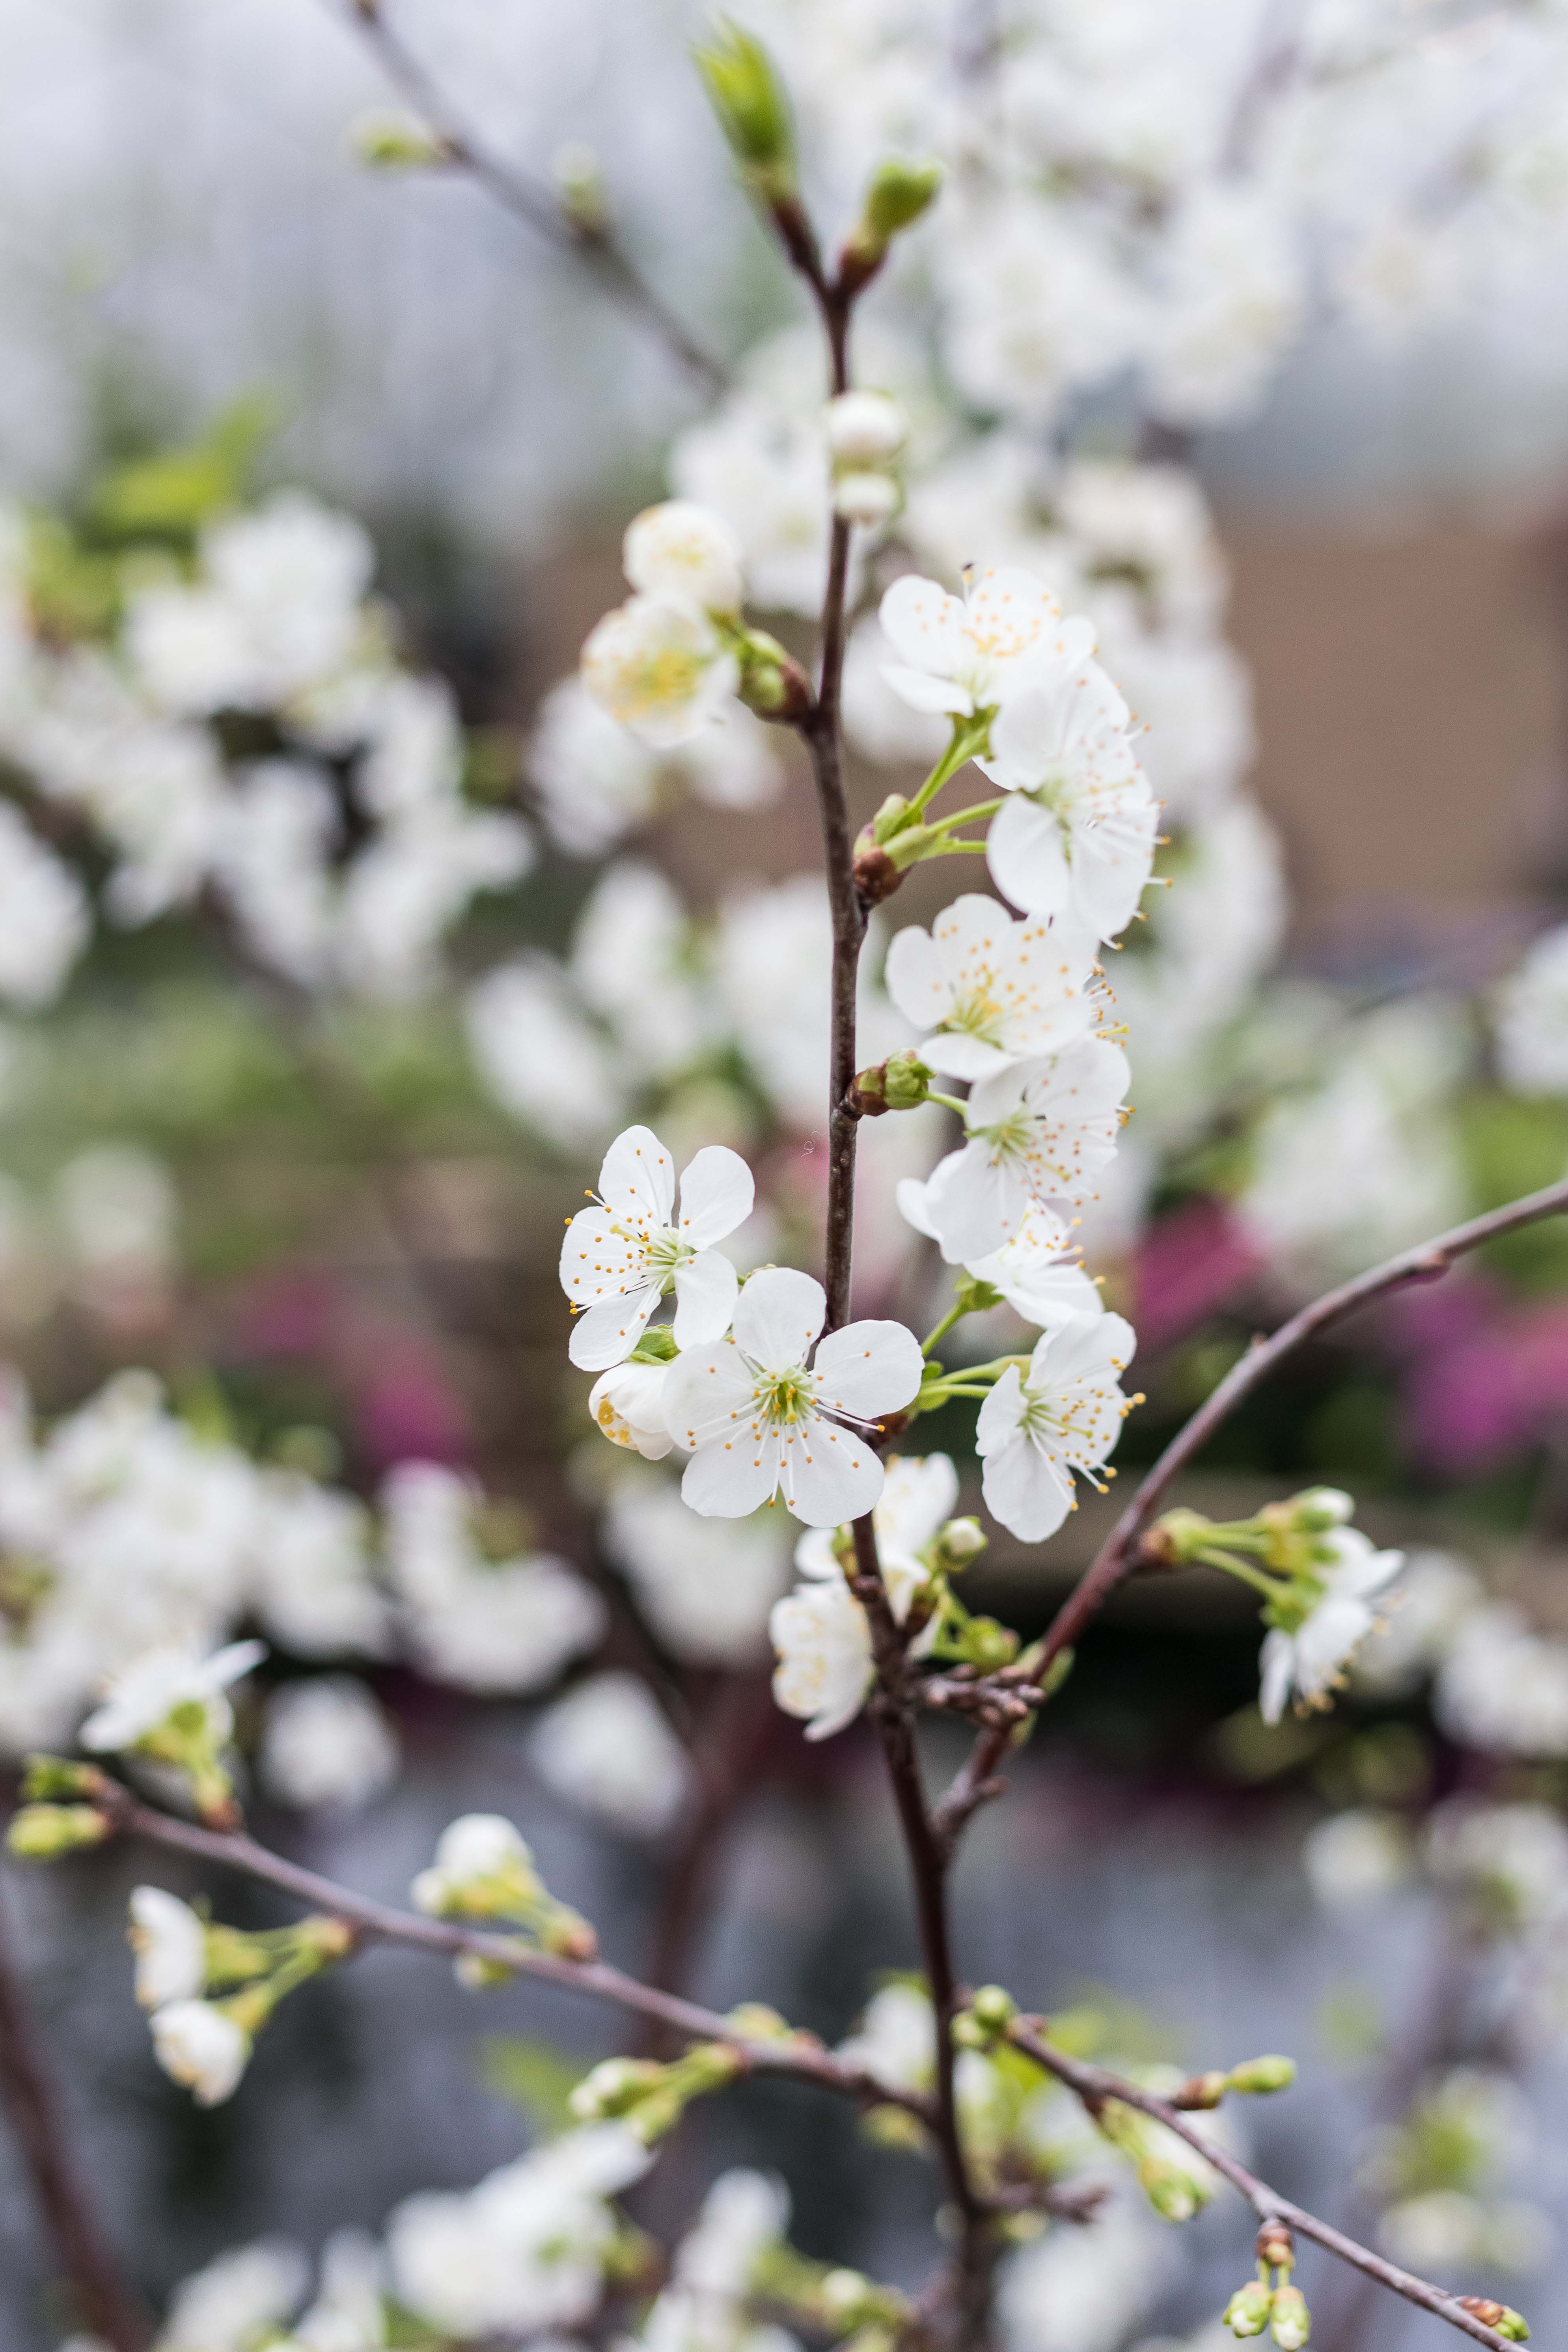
(799, 2058)
(105, 2301)
(1094, 2087)
(531, 201)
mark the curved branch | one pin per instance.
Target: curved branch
(1094, 2087)
(531, 201)
(1118, 1556)
(798, 2058)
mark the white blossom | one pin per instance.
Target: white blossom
(686, 553)
(1036, 1429)
(968, 656)
(1041, 1130)
(760, 1416)
(169, 1940)
(627, 1405)
(991, 989)
(1503, 1688)
(1075, 837)
(659, 667)
(1038, 1272)
(917, 1499)
(621, 1256)
(767, 474)
(607, 1746)
(45, 919)
(1513, 1858)
(825, 1664)
(1356, 1857)
(1532, 1015)
(542, 1061)
(1308, 1659)
(866, 428)
(236, 2301)
(326, 1742)
(200, 2046)
(706, 1586)
(142, 1696)
(313, 1582)
(896, 2037)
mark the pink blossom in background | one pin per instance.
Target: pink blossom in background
(1188, 1264)
(296, 1312)
(405, 1410)
(1491, 1392)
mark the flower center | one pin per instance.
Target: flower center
(785, 1398)
(1010, 1139)
(977, 1014)
(670, 676)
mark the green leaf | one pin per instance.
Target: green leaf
(535, 2076)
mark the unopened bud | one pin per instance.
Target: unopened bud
(1292, 2320)
(43, 1832)
(876, 876)
(772, 683)
(755, 2022)
(398, 143)
(580, 186)
(475, 1973)
(614, 2087)
(1321, 1508)
(865, 428)
(1246, 2313)
(994, 2007)
(1276, 2246)
(958, 1544)
(867, 498)
(1200, 2091)
(751, 107)
(568, 1936)
(900, 1083)
(1500, 2316)
(1259, 2075)
(843, 2293)
(900, 191)
(1172, 2193)
(47, 1777)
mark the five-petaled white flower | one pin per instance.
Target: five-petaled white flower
(760, 1417)
(1039, 1130)
(170, 1942)
(200, 2046)
(824, 1646)
(1038, 1272)
(140, 1700)
(1033, 1433)
(1076, 838)
(622, 1257)
(1307, 1657)
(917, 1498)
(661, 667)
(686, 553)
(966, 657)
(991, 989)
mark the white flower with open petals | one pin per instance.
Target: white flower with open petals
(760, 1417)
(622, 1257)
(139, 1699)
(1065, 1414)
(918, 1497)
(967, 656)
(993, 991)
(824, 1646)
(1308, 1659)
(661, 667)
(1038, 1272)
(1076, 838)
(1041, 1130)
(685, 552)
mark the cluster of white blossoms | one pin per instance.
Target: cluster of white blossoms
(243, 728)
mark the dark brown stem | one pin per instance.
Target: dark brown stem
(531, 201)
(800, 2058)
(106, 2302)
(1094, 2087)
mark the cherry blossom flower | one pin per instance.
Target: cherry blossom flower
(1076, 837)
(661, 667)
(141, 1698)
(918, 1497)
(1038, 1272)
(627, 1404)
(170, 1944)
(622, 1257)
(1065, 1414)
(607, 1746)
(760, 1417)
(686, 553)
(1307, 1657)
(200, 2047)
(1039, 1130)
(824, 1646)
(993, 990)
(327, 1743)
(966, 657)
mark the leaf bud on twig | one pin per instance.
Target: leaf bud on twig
(44, 1832)
(1260, 2075)
(751, 107)
(1500, 2316)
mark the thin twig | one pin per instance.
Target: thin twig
(1094, 2087)
(800, 2057)
(106, 2302)
(531, 201)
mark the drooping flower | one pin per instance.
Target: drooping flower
(621, 1258)
(993, 991)
(170, 1944)
(200, 2047)
(1040, 1130)
(661, 667)
(966, 657)
(917, 1498)
(1065, 1414)
(1307, 1656)
(687, 553)
(627, 1403)
(760, 1417)
(1038, 1272)
(1076, 838)
(824, 1646)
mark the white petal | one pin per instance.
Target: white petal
(911, 1195)
(976, 1203)
(1276, 1662)
(955, 1056)
(707, 1394)
(1027, 857)
(733, 1477)
(777, 1315)
(716, 1195)
(597, 1262)
(925, 626)
(828, 1475)
(637, 1180)
(607, 1333)
(1028, 1492)
(1000, 1414)
(705, 1291)
(867, 1369)
(916, 980)
(924, 693)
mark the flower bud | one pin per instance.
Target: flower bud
(900, 1083)
(43, 1832)
(55, 1777)
(1321, 1508)
(476, 1973)
(1246, 2313)
(876, 876)
(1200, 2091)
(580, 188)
(902, 189)
(750, 105)
(867, 498)
(995, 2008)
(866, 428)
(1259, 2075)
(1276, 2246)
(755, 2022)
(567, 1934)
(958, 1544)
(614, 2087)
(680, 549)
(772, 683)
(1172, 2193)
(398, 143)
(1499, 2316)
(845, 2293)
(1292, 2320)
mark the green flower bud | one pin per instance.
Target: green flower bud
(772, 683)
(1203, 2090)
(1172, 2193)
(398, 143)
(1321, 1508)
(755, 2022)
(900, 191)
(1246, 2313)
(43, 1832)
(1498, 2316)
(845, 2293)
(1259, 2075)
(975, 1297)
(567, 1934)
(656, 1346)
(751, 107)
(889, 819)
(995, 2008)
(580, 186)
(958, 1544)
(614, 2087)
(1292, 2320)
(907, 1080)
(53, 1777)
